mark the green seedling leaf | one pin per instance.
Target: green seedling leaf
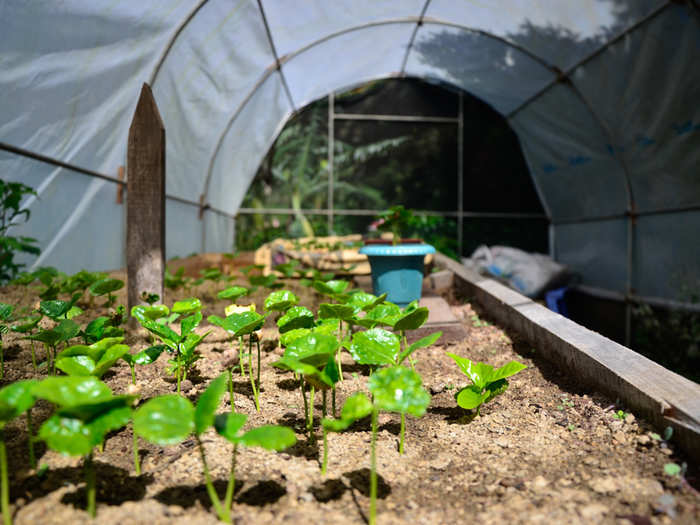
(336, 311)
(357, 406)
(365, 301)
(327, 326)
(67, 435)
(208, 403)
(48, 337)
(398, 389)
(229, 424)
(672, 469)
(150, 312)
(375, 347)
(187, 306)
(190, 323)
(507, 370)
(478, 373)
(270, 437)
(111, 356)
(74, 312)
(106, 286)
(313, 349)
(27, 324)
(296, 317)
(165, 420)
(412, 320)
(470, 397)
(267, 281)
(147, 356)
(331, 287)
(67, 329)
(79, 365)
(280, 301)
(243, 323)
(289, 337)
(233, 293)
(487, 381)
(54, 309)
(167, 334)
(311, 374)
(15, 399)
(191, 342)
(331, 370)
(421, 343)
(385, 314)
(96, 328)
(72, 391)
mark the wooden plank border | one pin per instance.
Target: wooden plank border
(662, 397)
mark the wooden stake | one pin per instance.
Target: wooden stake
(121, 172)
(145, 206)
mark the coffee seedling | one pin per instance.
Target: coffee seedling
(5, 316)
(106, 287)
(15, 399)
(487, 382)
(93, 360)
(87, 411)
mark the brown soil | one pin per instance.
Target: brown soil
(546, 451)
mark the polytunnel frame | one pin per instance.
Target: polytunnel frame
(563, 77)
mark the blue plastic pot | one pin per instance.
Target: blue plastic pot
(397, 270)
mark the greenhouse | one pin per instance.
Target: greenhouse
(172, 173)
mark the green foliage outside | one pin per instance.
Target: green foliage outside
(11, 195)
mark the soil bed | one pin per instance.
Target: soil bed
(546, 451)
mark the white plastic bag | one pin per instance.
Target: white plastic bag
(531, 274)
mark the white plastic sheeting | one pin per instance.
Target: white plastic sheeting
(602, 94)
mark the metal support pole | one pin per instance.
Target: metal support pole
(460, 175)
(331, 157)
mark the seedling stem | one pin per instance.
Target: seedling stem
(373, 472)
(5, 493)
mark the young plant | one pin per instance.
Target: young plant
(64, 330)
(394, 389)
(15, 399)
(87, 412)
(168, 420)
(182, 345)
(98, 329)
(396, 219)
(487, 382)
(93, 360)
(27, 325)
(106, 287)
(242, 324)
(356, 407)
(312, 357)
(5, 317)
(233, 293)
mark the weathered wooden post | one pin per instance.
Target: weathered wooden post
(145, 210)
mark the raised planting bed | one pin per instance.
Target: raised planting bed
(549, 449)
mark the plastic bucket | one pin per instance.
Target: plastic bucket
(397, 270)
